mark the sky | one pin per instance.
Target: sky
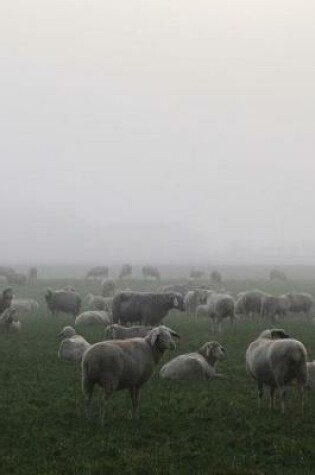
(157, 131)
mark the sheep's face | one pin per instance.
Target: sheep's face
(213, 351)
(67, 332)
(177, 301)
(162, 339)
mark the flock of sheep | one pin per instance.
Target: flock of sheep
(135, 338)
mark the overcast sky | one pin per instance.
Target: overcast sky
(157, 131)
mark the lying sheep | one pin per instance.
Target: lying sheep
(72, 346)
(118, 332)
(200, 365)
(93, 317)
(124, 364)
(9, 321)
(274, 359)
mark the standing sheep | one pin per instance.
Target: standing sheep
(6, 299)
(151, 271)
(124, 364)
(125, 271)
(250, 303)
(146, 308)
(66, 301)
(220, 306)
(300, 302)
(274, 359)
(98, 302)
(200, 365)
(96, 272)
(108, 287)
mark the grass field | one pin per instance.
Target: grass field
(184, 428)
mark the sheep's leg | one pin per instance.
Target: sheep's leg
(282, 399)
(135, 393)
(272, 397)
(87, 387)
(103, 408)
(260, 394)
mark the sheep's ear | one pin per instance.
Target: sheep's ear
(153, 336)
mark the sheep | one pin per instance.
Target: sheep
(25, 305)
(97, 302)
(124, 364)
(67, 301)
(125, 271)
(117, 332)
(274, 307)
(73, 346)
(178, 288)
(5, 299)
(146, 308)
(220, 306)
(32, 273)
(274, 359)
(202, 311)
(191, 301)
(300, 302)
(8, 320)
(109, 287)
(250, 303)
(93, 317)
(200, 365)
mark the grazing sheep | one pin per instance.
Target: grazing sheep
(99, 271)
(73, 346)
(220, 306)
(124, 364)
(117, 332)
(9, 321)
(300, 302)
(108, 287)
(6, 299)
(250, 303)
(274, 359)
(25, 305)
(274, 307)
(93, 317)
(67, 301)
(97, 302)
(200, 365)
(146, 308)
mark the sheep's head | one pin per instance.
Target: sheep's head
(176, 301)
(67, 332)
(212, 351)
(111, 332)
(162, 338)
(274, 334)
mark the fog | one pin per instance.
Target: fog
(157, 131)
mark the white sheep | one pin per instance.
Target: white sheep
(93, 317)
(200, 365)
(274, 359)
(72, 346)
(124, 364)
(97, 302)
(9, 321)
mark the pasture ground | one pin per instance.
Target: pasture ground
(184, 428)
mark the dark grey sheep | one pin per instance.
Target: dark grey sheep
(6, 299)
(146, 308)
(300, 302)
(66, 301)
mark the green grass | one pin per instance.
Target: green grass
(184, 428)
